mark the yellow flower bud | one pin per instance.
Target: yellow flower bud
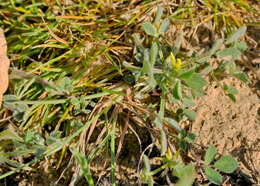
(178, 65)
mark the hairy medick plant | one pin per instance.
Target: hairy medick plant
(159, 67)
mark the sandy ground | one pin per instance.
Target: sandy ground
(234, 127)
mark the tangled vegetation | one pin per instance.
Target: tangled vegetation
(86, 75)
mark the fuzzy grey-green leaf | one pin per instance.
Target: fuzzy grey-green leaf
(164, 26)
(149, 29)
(242, 46)
(232, 52)
(236, 34)
(158, 16)
(190, 114)
(226, 164)
(213, 176)
(195, 82)
(174, 124)
(242, 76)
(210, 154)
(188, 175)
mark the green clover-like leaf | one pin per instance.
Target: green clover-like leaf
(226, 164)
(213, 176)
(210, 154)
(149, 29)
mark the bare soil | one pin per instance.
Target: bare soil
(234, 128)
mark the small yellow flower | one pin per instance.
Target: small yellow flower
(175, 63)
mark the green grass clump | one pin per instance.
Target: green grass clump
(82, 68)
(222, 15)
